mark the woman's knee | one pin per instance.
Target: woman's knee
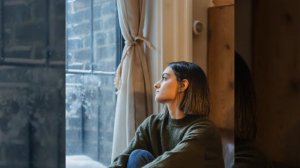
(141, 153)
(139, 158)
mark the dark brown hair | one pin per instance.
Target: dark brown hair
(196, 96)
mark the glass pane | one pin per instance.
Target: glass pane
(79, 34)
(90, 93)
(104, 30)
(105, 22)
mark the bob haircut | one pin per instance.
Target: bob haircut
(196, 97)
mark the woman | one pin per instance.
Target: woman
(182, 136)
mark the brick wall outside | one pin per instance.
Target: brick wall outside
(32, 78)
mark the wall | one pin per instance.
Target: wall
(200, 46)
(176, 31)
(243, 30)
(171, 33)
(32, 83)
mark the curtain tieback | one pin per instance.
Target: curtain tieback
(136, 40)
(129, 44)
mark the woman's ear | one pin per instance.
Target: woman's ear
(184, 85)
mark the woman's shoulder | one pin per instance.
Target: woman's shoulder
(154, 119)
(204, 126)
(203, 122)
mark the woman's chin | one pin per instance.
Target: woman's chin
(159, 100)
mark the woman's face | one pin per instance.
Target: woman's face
(166, 89)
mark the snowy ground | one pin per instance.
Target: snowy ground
(82, 161)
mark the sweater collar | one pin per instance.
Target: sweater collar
(183, 121)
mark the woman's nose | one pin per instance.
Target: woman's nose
(156, 85)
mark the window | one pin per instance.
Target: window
(94, 45)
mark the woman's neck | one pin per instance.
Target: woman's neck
(174, 111)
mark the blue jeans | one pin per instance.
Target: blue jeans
(139, 158)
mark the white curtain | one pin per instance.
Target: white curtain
(134, 98)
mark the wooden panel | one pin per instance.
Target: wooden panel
(222, 2)
(220, 65)
(276, 68)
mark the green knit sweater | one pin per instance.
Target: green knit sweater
(189, 142)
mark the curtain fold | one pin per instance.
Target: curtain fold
(134, 96)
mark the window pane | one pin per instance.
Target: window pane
(90, 92)
(79, 34)
(104, 35)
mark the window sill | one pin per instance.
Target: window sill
(82, 161)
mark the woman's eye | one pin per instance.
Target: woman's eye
(163, 78)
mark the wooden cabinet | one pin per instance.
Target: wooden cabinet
(221, 65)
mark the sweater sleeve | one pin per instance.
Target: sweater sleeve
(139, 141)
(201, 147)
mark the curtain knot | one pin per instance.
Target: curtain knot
(130, 44)
(137, 40)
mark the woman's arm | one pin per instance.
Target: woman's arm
(139, 141)
(201, 147)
